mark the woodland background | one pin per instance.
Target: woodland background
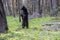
(42, 14)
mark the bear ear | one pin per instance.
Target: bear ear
(23, 8)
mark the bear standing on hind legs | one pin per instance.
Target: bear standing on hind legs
(24, 16)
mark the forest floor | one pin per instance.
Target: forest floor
(33, 33)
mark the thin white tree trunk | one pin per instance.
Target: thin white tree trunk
(24, 2)
(44, 8)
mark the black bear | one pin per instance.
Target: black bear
(24, 16)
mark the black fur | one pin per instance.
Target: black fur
(24, 16)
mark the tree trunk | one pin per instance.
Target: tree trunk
(44, 8)
(9, 8)
(40, 8)
(3, 22)
(13, 11)
(53, 7)
(18, 4)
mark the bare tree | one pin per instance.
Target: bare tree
(40, 7)
(13, 8)
(9, 11)
(3, 22)
(18, 7)
(53, 7)
(44, 8)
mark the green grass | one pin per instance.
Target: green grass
(33, 33)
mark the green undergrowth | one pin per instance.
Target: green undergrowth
(33, 33)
